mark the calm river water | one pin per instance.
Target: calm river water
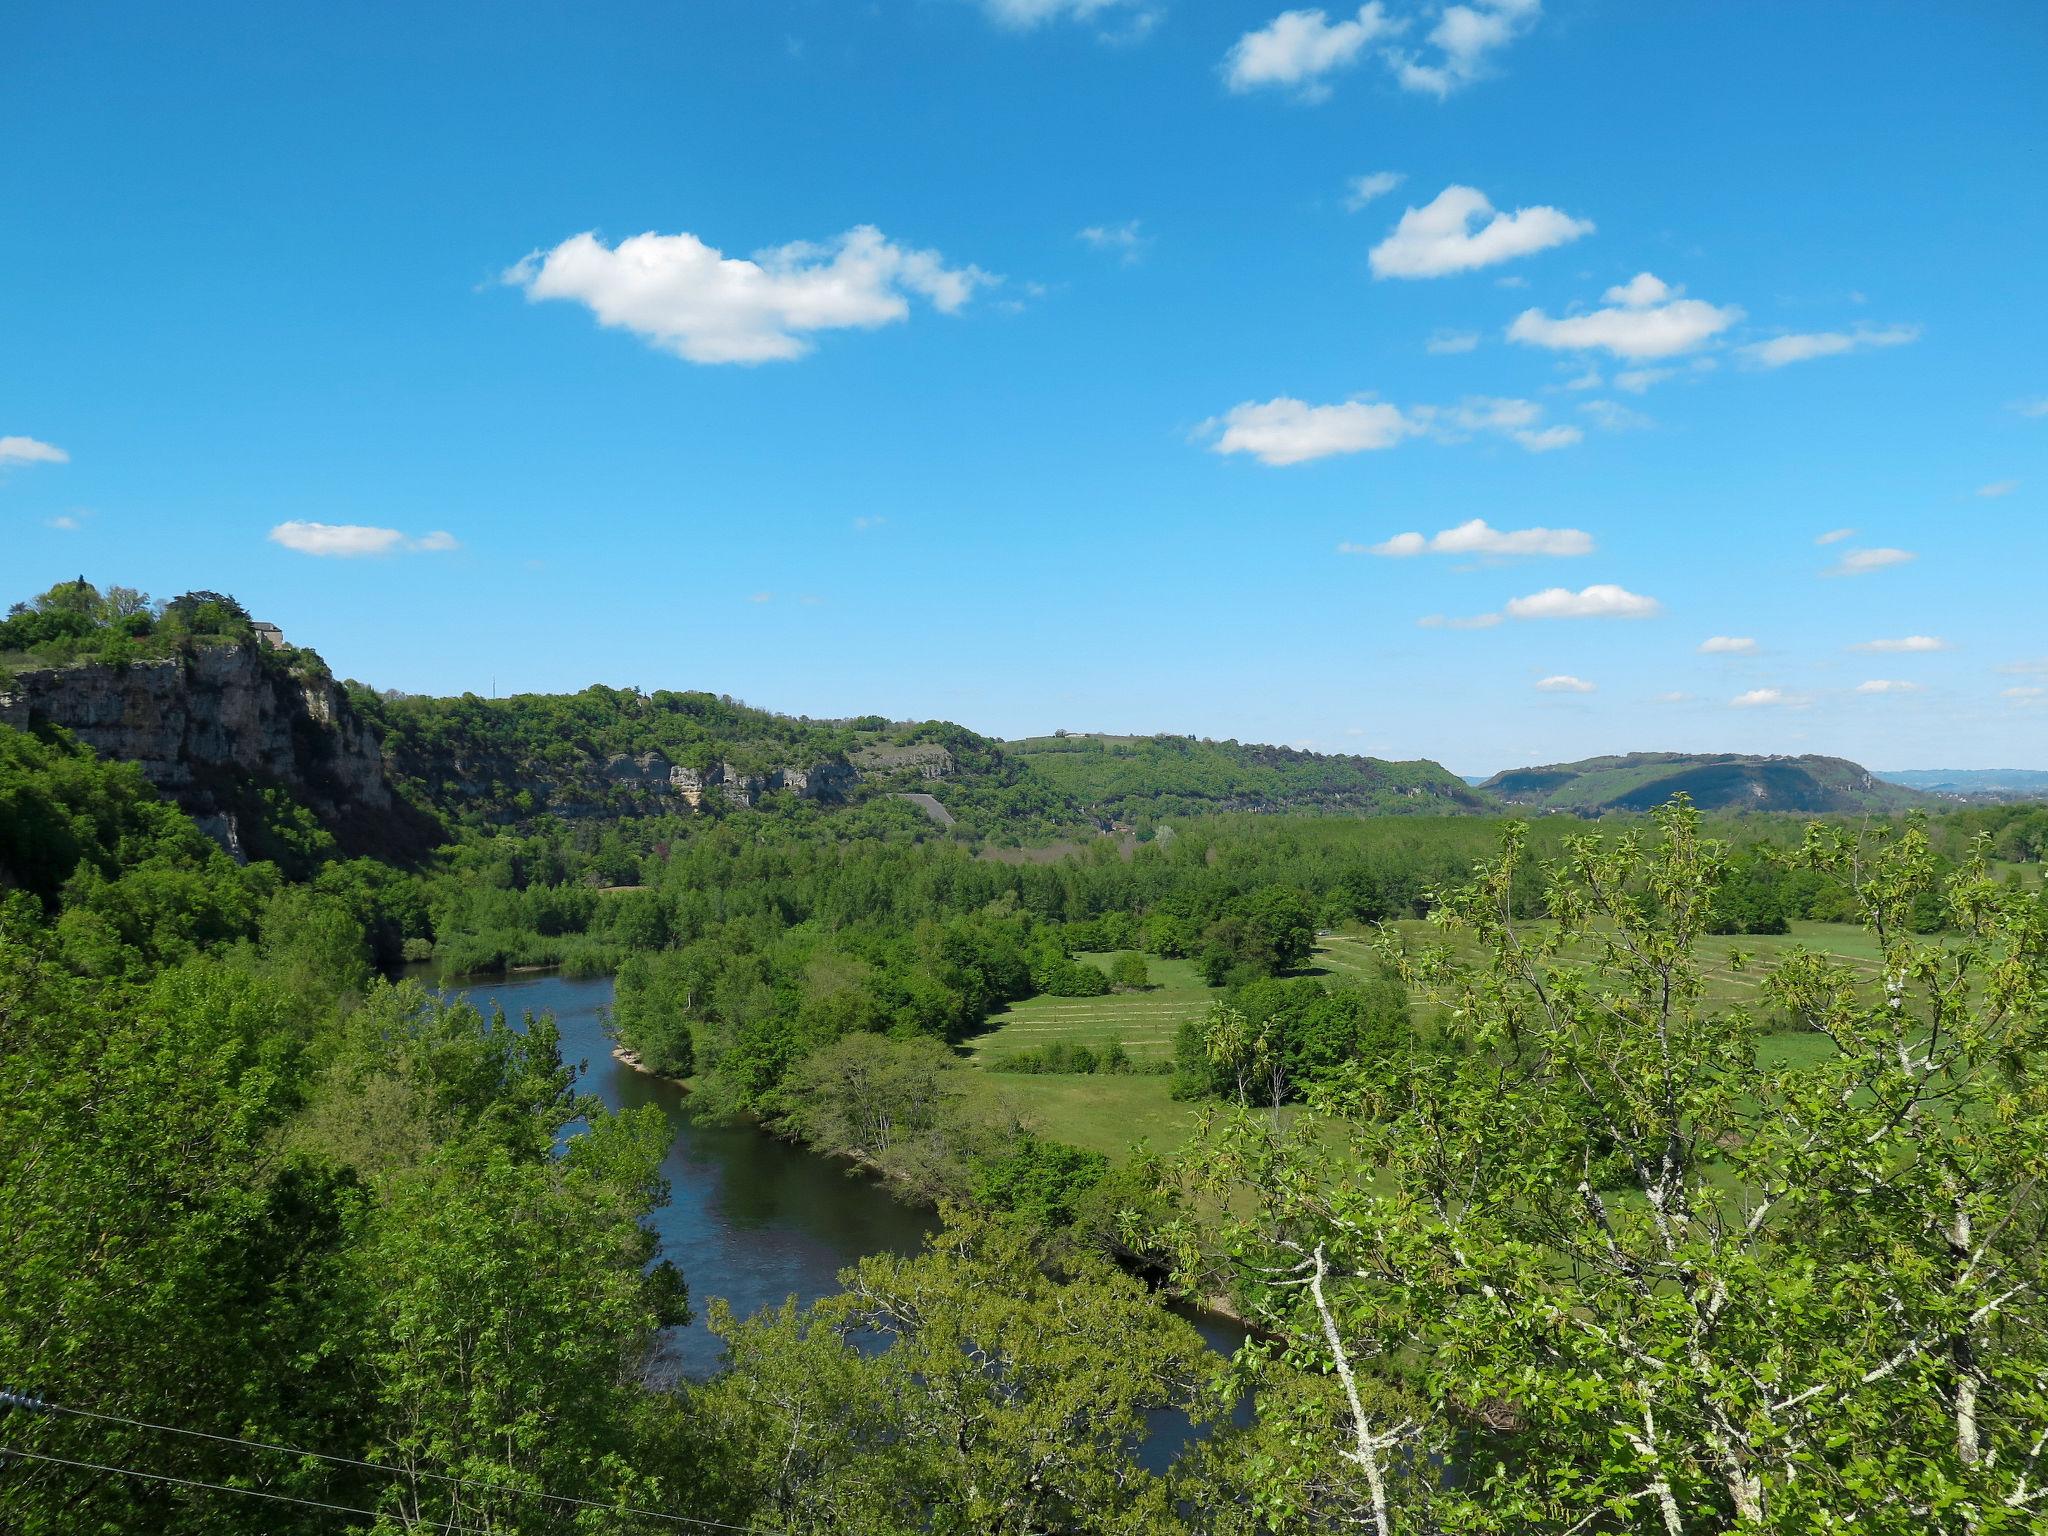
(750, 1217)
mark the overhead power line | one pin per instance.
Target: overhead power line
(247, 1493)
(43, 1405)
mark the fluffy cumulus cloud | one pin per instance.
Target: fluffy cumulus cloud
(1644, 318)
(1905, 644)
(1460, 230)
(1126, 241)
(1463, 43)
(1765, 698)
(1861, 562)
(1603, 600)
(1564, 682)
(1290, 431)
(1447, 343)
(1360, 190)
(1799, 348)
(351, 541)
(1478, 538)
(29, 450)
(1887, 685)
(1728, 645)
(1299, 50)
(684, 296)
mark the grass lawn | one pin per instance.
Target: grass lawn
(1110, 1113)
(1352, 954)
(1142, 1022)
(1107, 1113)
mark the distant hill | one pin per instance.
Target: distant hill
(1974, 783)
(1131, 778)
(1715, 781)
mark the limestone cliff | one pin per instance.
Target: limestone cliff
(213, 727)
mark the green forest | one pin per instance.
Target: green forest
(1668, 1173)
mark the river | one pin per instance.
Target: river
(751, 1217)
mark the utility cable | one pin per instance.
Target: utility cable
(250, 1493)
(44, 1405)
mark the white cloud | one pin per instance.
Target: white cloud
(1998, 488)
(1025, 14)
(1443, 343)
(1548, 439)
(1124, 240)
(1906, 643)
(1477, 538)
(1612, 416)
(28, 450)
(1465, 37)
(1759, 698)
(1728, 645)
(1564, 683)
(1780, 350)
(1887, 685)
(1835, 536)
(350, 541)
(1439, 239)
(1603, 600)
(1360, 190)
(1592, 378)
(681, 295)
(1637, 381)
(2038, 406)
(1645, 319)
(64, 522)
(1859, 562)
(2023, 694)
(1297, 49)
(1290, 431)
(1476, 621)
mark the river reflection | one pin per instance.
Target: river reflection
(751, 1218)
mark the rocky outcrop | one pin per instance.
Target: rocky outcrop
(926, 759)
(214, 727)
(820, 781)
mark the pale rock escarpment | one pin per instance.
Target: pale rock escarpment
(212, 727)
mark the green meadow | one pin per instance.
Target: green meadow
(1112, 1113)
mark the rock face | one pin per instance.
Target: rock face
(213, 728)
(820, 781)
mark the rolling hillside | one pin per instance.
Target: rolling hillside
(1130, 778)
(1715, 781)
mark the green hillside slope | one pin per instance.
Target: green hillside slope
(1641, 781)
(1131, 778)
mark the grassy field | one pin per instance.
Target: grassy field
(1142, 1022)
(1352, 954)
(1111, 1113)
(1108, 1113)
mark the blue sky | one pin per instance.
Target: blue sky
(1081, 363)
